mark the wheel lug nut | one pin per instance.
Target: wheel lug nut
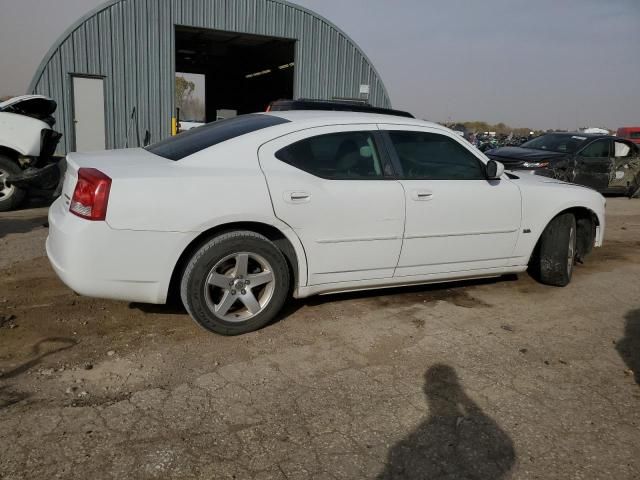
(247, 282)
(244, 292)
(233, 292)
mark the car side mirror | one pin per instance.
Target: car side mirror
(494, 170)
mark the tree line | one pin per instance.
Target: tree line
(500, 128)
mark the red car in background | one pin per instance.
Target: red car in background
(630, 133)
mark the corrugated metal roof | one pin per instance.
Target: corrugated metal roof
(131, 44)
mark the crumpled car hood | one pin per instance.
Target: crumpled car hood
(31, 105)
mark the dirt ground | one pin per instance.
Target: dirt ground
(485, 380)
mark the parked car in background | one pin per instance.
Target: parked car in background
(603, 162)
(630, 133)
(186, 125)
(596, 130)
(303, 203)
(27, 145)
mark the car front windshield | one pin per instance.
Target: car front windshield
(554, 142)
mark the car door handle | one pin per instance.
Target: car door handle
(297, 197)
(422, 195)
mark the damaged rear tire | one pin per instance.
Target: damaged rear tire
(10, 196)
(556, 253)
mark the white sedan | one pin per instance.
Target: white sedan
(238, 215)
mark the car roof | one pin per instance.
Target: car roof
(323, 117)
(582, 134)
(333, 105)
(592, 136)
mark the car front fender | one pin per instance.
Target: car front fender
(543, 200)
(22, 134)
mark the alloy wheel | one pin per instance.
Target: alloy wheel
(239, 287)
(6, 191)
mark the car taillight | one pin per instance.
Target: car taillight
(91, 196)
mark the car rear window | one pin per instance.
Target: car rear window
(197, 139)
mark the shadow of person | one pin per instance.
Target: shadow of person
(629, 346)
(457, 441)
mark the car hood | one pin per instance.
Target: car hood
(32, 105)
(519, 154)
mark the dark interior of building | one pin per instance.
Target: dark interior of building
(243, 72)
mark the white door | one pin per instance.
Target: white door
(328, 184)
(88, 103)
(457, 220)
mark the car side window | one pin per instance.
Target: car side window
(597, 149)
(622, 149)
(431, 156)
(336, 156)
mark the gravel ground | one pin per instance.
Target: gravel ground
(485, 380)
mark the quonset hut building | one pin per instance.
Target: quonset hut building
(113, 73)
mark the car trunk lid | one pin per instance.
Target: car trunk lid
(117, 164)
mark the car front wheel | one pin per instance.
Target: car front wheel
(235, 283)
(553, 264)
(10, 196)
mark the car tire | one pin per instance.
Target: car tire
(10, 197)
(556, 254)
(235, 283)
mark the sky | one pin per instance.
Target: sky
(527, 63)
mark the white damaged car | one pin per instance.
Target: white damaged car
(27, 144)
(238, 215)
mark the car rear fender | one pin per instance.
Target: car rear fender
(279, 233)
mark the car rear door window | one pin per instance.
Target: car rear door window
(597, 149)
(336, 156)
(197, 139)
(622, 149)
(431, 156)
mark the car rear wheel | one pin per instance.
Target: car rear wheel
(235, 283)
(10, 195)
(556, 254)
